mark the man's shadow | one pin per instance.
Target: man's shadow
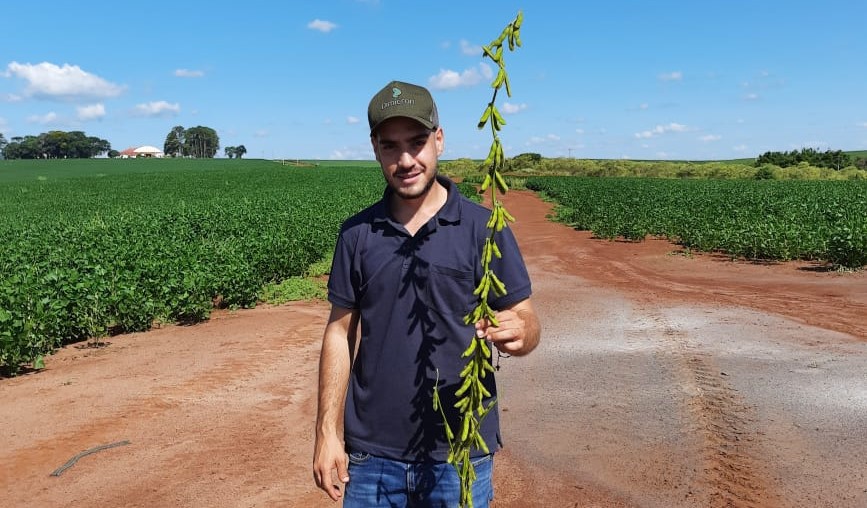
(428, 422)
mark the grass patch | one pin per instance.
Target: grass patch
(294, 289)
(310, 286)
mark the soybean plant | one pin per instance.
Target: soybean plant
(472, 392)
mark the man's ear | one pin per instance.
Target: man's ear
(375, 146)
(440, 140)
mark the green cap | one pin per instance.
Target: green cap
(402, 99)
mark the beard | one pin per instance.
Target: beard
(414, 193)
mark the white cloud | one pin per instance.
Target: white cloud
(351, 153)
(470, 49)
(751, 97)
(352, 120)
(91, 112)
(671, 76)
(321, 25)
(662, 155)
(661, 129)
(538, 140)
(643, 106)
(710, 137)
(157, 108)
(49, 81)
(261, 133)
(509, 108)
(740, 148)
(43, 119)
(579, 131)
(448, 79)
(188, 73)
(862, 124)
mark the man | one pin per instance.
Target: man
(404, 272)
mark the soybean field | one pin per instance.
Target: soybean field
(769, 220)
(93, 247)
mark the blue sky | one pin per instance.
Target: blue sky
(617, 79)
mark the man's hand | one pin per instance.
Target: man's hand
(517, 331)
(330, 467)
(329, 458)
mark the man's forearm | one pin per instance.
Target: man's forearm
(334, 364)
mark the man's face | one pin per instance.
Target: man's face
(408, 152)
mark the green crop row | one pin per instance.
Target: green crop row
(126, 243)
(772, 220)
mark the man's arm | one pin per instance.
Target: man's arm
(334, 364)
(518, 329)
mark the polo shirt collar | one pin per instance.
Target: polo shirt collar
(450, 213)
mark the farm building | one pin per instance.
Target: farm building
(142, 151)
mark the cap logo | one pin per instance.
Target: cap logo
(395, 92)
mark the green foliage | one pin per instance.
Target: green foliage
(777, 220)
(469, 190)
(765, 172)
(201, 142)
(295, 289)
(55, 145)
(89, 248)
(174, 144)
(523, 166)
(836, 159)
(235, 151)
(524, 161)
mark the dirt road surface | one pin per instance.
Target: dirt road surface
(663, 380)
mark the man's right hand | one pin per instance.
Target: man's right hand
(330, 467)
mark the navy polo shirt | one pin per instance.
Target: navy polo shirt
(412, 293)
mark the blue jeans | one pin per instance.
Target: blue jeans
(378, 482)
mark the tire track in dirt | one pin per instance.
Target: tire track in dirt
(731, 475)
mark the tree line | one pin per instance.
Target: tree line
(832, 159)
(53, 145)
(198, 142)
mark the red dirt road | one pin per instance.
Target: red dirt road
(663, 380)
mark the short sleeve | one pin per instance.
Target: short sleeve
(341, 290)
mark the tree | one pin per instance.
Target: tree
(525, 160)
(230, 151)
(828, 159)
(240, 150)
(3, 144)
(56, 145)
(201, 142)
(174, 143)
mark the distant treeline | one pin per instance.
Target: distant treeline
(533, 164)
(833, 159)
(54, 145)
